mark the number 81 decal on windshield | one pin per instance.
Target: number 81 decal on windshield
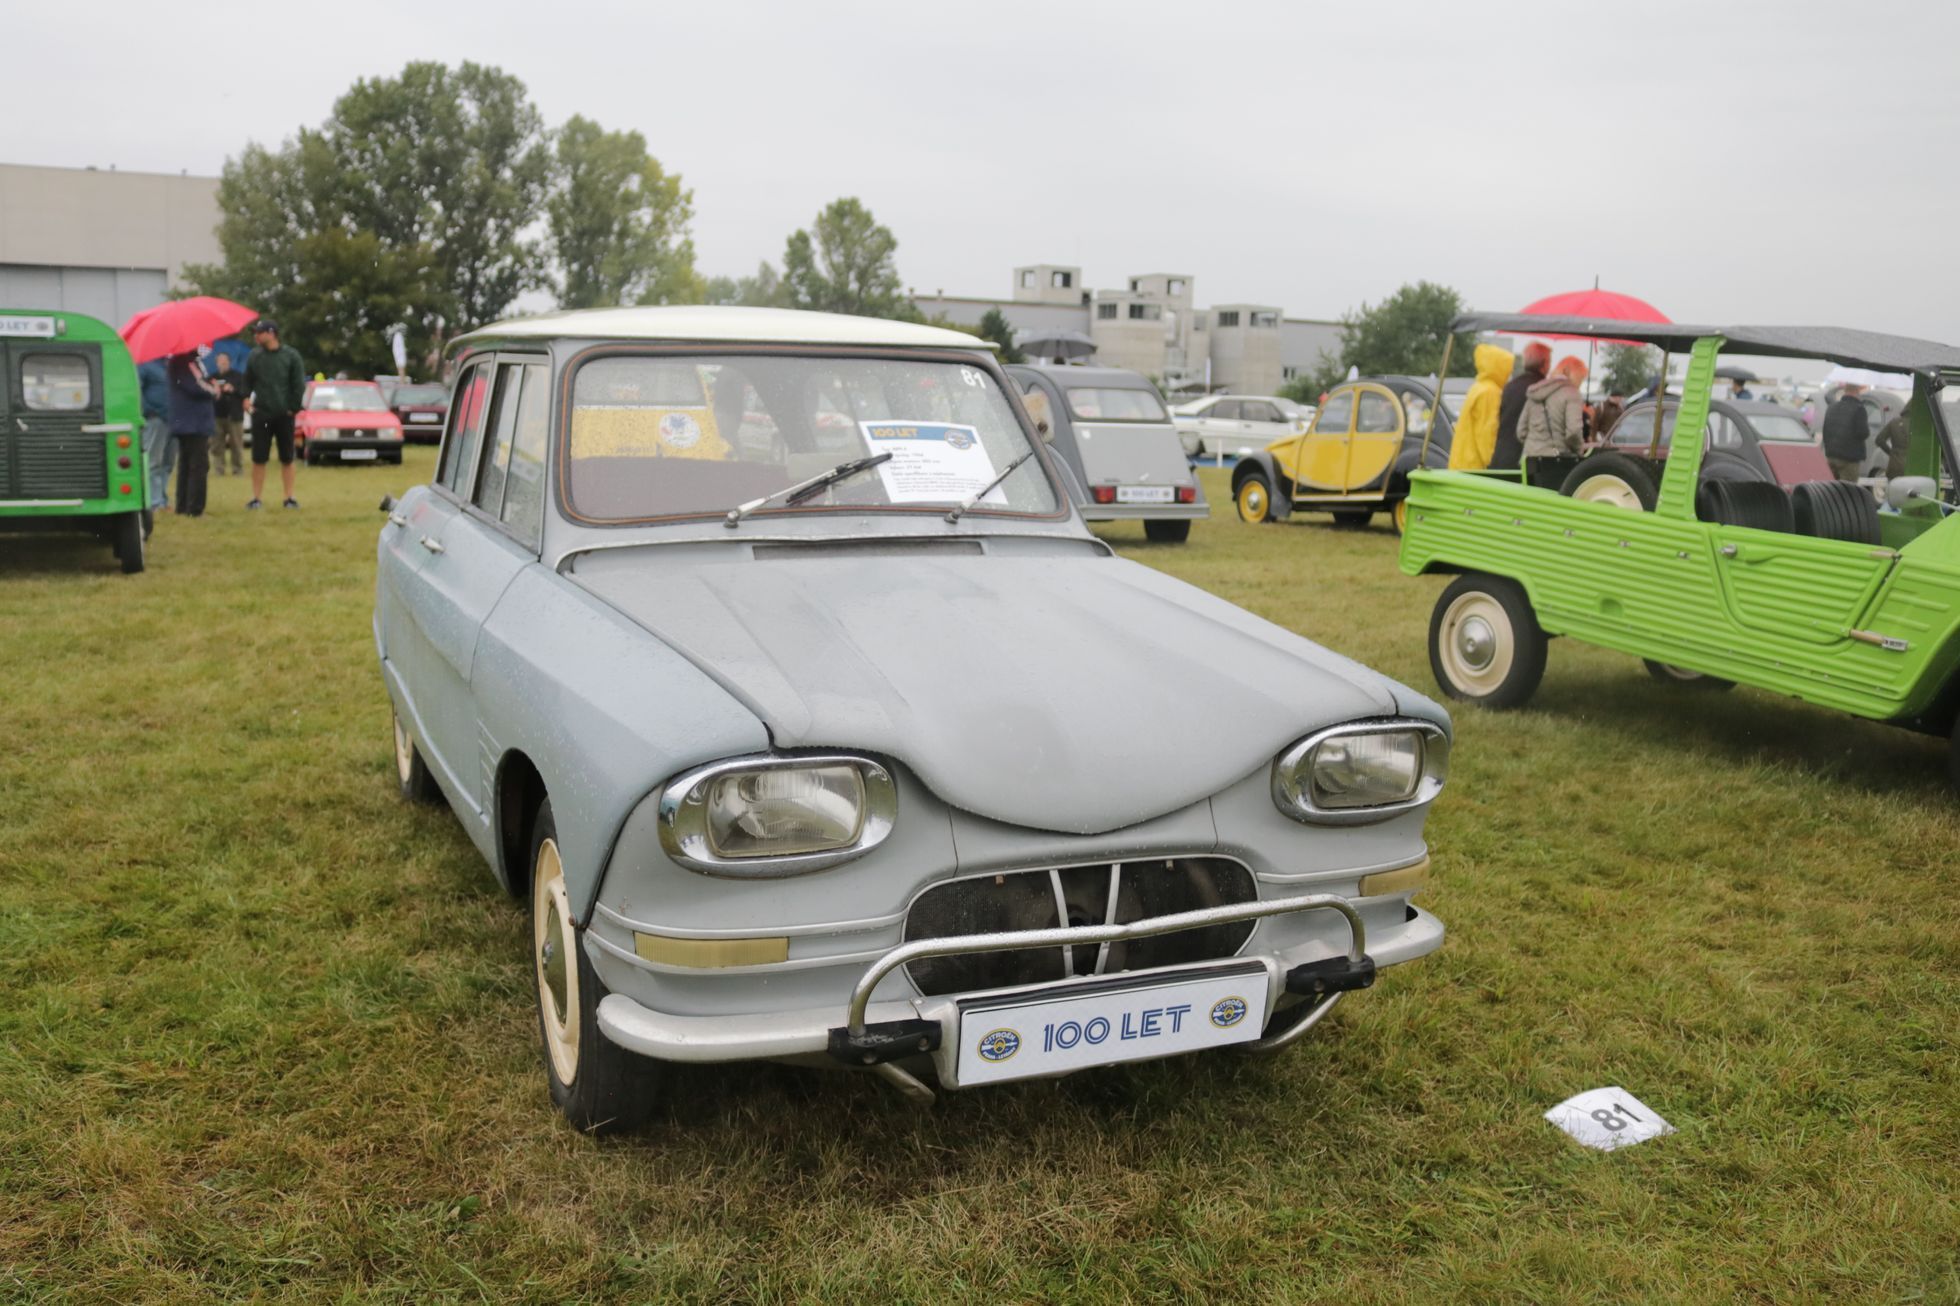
(1607, 1118)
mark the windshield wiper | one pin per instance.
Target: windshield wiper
(795, 494)
(959, 510)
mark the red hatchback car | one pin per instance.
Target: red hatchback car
(421, 406)
(347, 421)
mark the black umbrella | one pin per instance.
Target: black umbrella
(1062, 345)
(1732, 373)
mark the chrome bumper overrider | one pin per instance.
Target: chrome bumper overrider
(877, 1035)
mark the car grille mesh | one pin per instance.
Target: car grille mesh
(1076, 895)
(52, 464)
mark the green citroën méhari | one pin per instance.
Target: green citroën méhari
(1812, 592)
(71, 453)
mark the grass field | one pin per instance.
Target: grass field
(268, 1032)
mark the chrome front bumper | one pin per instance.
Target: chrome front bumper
(876, 1035)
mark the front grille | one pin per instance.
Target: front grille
(1076, 895)
(53, 464)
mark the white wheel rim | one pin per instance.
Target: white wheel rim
(1680, 673)
(1608, 488)
(404, 752)
(1476, 643)
(552, 941)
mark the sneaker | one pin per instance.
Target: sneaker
(254, 506)
(292, 503)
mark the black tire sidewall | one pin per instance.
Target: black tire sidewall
(1167, 532)
(128, 542)
(1627, 469)
(1238, 488)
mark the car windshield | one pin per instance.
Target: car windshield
(420, 394)
(347, 399)
(668, 436)
(1108, 404)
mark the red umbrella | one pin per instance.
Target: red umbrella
(1595, 304)
(181, 325)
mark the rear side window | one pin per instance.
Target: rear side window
(1334, 418)
(496, 449)
(55, 383)
(465, 426)
(1105, 404)
(524, 483)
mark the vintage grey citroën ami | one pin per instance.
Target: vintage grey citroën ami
(764, 655)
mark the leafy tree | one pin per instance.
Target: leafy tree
(845, 266)
(1625, 369)
(618, 222)
(995, 327)
(455, 159)
(763, 290)
(1402, 334)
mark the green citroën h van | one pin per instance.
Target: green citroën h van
(71, 418)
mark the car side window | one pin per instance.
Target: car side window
(1377, 415)
(465, 425)
(1723, 433)
(1335, 414)
(1226, 410)
(1255, 411)
(496, 451)
(1036, 402)
(523, 509)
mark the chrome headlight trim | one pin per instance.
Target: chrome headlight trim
(683, 821)
(1293, 790)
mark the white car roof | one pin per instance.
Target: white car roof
(710, 322)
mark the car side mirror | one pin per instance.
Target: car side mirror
(1901, 490)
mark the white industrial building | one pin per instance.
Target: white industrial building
(101, 242)
(1152, 325)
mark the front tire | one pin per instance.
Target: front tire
(599, 1086)
(1167, 532)
(1485, 644)
(1254, 498)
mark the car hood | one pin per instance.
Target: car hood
(1077, 693)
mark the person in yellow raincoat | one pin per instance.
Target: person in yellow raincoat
(1476, 428)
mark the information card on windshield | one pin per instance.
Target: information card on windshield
(932, 462)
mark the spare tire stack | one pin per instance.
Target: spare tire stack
(1835, 510)
(1758, 505)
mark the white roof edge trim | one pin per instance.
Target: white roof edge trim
(716, 324)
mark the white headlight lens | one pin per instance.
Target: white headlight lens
(782, 811)
(1372, 770)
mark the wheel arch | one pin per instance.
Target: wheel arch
(1261, 461)
(520, 791)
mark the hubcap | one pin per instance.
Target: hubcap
(1611, 489)
(1252, 501)
(557, 968)
(1476, 644)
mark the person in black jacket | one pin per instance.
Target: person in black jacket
(228, 413)
(191, 393)
(1846, 429)
(1537, 361)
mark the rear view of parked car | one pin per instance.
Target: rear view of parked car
(1119, 452)
(763, 654)
(420, 407)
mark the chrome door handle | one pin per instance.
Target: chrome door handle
(432, 544)
(396, 519)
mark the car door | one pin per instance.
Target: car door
(1317, 461)
(473, 556)
(1797, 586)
(1377, 438)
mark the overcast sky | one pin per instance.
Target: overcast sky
(1786, 162)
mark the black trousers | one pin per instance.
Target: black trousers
(193, 472)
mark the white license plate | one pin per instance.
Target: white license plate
(1101, 1022)
(421, 417)
(1145, 494)
(356, 455)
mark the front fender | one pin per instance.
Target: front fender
(1262, 460)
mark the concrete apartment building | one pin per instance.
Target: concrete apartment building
(1152, 325)
(104, 243)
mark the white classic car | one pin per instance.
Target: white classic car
(1234, 425)
(763, 654)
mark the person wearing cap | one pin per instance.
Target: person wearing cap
(275, 387)
(1846, 430)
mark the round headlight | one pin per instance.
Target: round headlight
(1365, 771)
(776, 816)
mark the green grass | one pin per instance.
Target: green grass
(267, 1031)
